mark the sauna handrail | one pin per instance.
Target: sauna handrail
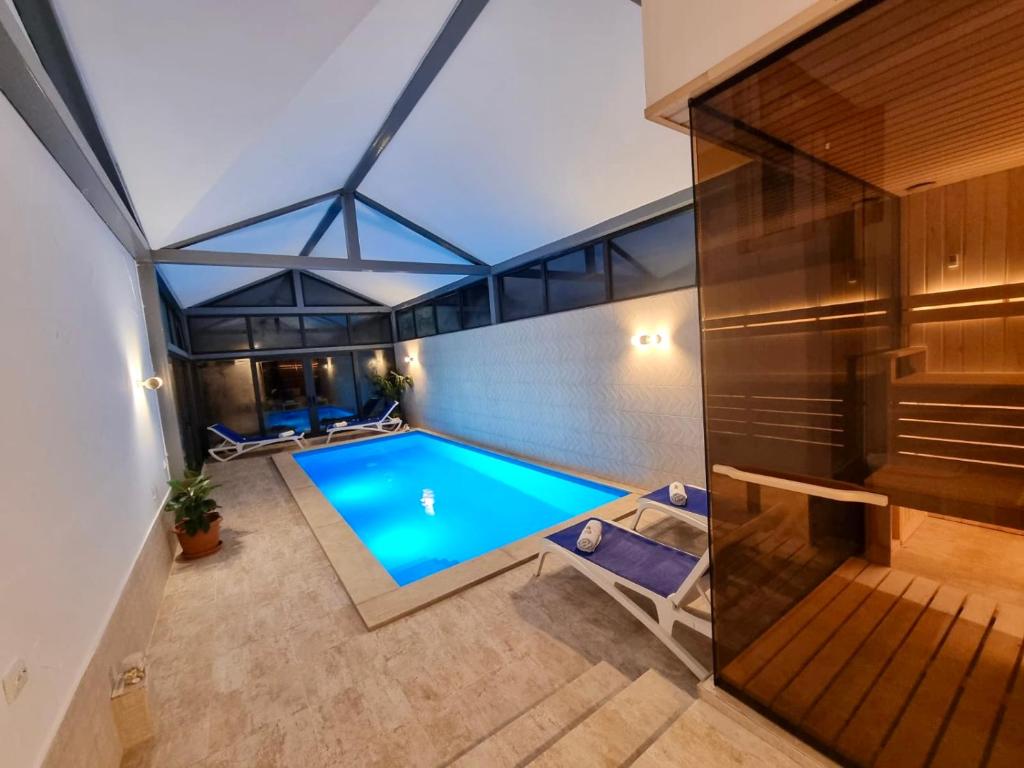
(810, 489)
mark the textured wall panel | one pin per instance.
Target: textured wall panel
(571, 389)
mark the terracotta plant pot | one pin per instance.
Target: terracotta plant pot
(203, 543)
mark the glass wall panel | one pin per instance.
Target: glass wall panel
(227, 395)
(326, 330)
(370, 329)
(317, 293)
(368, 362)
(655, 257)
(425, 322)
(183, 389)
(522, 293)
(335, 387)
(277, 291)
(406, 322)
(577, 279)
(276, 332)
(448, 313)
(218, 334)
(476, 305)
(283, 399)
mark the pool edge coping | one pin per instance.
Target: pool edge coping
(376, 596)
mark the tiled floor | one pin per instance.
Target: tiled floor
(259, 659)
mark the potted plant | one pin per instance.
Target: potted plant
(196, 520)
(391, 385)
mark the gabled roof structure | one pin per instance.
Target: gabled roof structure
(396, 146)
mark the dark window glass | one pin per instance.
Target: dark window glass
(335, 387)
(326, 330)
(275, 332)
(276, 291)
(368, 362)
(178, 331)
(406, 324)
(226, 396)
(218, 334)
(476, 305)
(522, 293)
(425, 325)
(657, 257)
(576, 279)
(447, 309)
(318, 293)
(370, 329)
(282, 385)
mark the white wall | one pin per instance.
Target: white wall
(82, 455)
(570, 388)
(685, 38)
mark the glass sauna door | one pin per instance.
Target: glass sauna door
(284, 402)
(860, 227)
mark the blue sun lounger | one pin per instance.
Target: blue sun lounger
(233, 444)
(626, 562)
(379, 419)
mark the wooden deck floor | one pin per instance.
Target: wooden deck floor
(889, 668)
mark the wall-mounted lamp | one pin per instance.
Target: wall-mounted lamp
(647, 340)
(153, 382)
(410, 358)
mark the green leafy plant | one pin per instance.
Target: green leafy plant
(191, 503)
(391, 385)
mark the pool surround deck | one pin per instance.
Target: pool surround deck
(376, 595)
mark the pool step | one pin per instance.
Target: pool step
(620, 730)
(536, 729)
(705, 737)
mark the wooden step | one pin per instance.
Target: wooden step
(704, 737)
(622, 728)
(538, 728)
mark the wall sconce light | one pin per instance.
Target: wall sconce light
(153, 382)
(647, 340)
(410, 358)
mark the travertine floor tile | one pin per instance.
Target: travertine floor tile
(259, 658)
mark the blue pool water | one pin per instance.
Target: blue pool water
(421, 503)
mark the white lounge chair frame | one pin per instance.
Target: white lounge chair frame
(386, 423)
(669, 610)
(682, 514)
(231, 449)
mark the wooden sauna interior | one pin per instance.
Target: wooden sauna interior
(860, 206)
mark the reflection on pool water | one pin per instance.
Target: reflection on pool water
(422, 503)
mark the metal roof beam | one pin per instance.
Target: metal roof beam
(281, 261)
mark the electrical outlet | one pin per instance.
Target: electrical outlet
(15, 680)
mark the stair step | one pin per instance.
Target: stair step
(703, 737)
(621, 728)
(532, 732)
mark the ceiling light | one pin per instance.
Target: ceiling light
(153, 382)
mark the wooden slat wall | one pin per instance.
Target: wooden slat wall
(982, 220)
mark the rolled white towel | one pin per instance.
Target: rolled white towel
(590, 536)
(339, 424)
(677, 494)
(286, 433)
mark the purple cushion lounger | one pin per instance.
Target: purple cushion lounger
(694, 512)
(233, 444)
(379, 419)
(627, 562)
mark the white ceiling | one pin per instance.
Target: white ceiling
(217, 112)
(534, 130)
